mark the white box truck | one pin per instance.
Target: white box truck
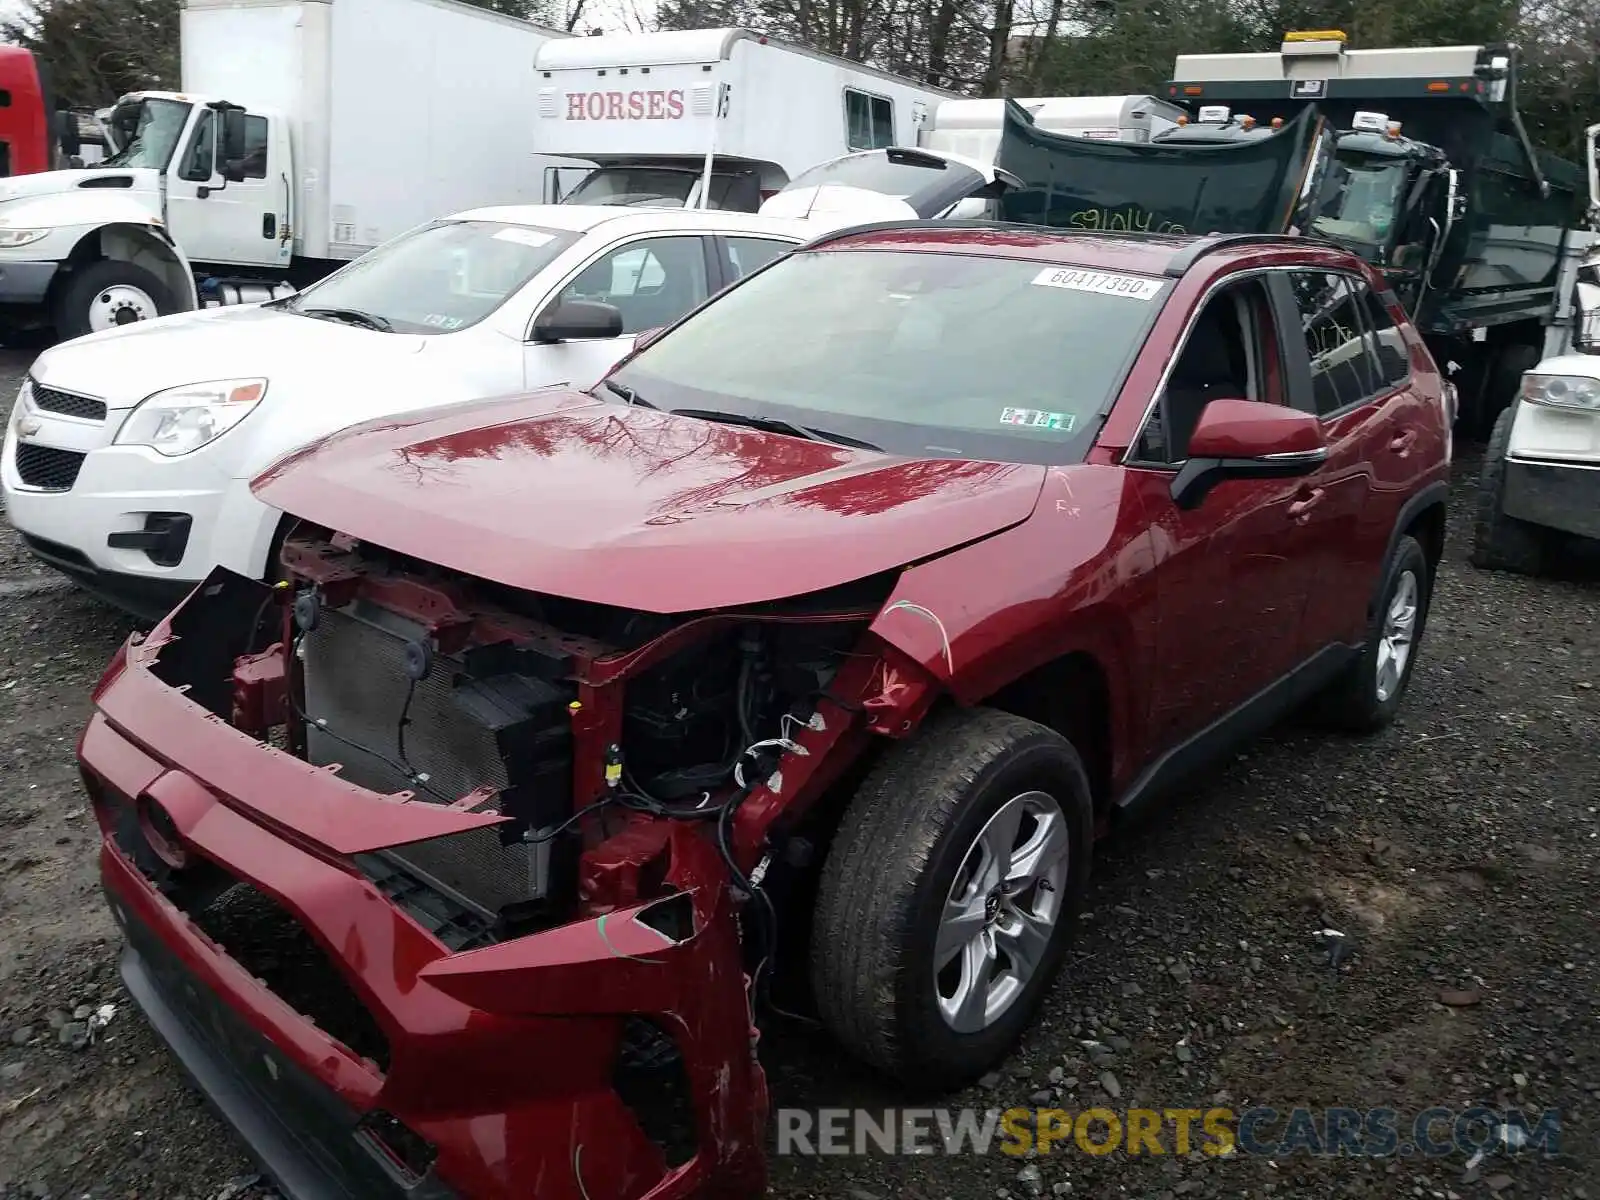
(306, 133)
(648, 110)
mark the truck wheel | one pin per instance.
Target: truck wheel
(1367, 696)
(109, 293)
(950, 895)
(1499, 542)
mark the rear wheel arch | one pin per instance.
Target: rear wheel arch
(1422, 517)
(1428, 526)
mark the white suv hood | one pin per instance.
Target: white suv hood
(124, 366)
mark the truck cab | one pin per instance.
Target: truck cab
(224, 170)
(1391, 199)
(92, 248)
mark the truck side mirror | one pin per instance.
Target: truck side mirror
(67, 133)
(1586, 320)
(232, 149)
(1456, 199)
(232, 170)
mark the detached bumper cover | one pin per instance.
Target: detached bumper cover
(1555, 495)
(500, 1061)
(284, 1114)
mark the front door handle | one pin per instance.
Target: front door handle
(1300, 510)
(269, 225)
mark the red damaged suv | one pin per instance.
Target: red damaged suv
(845, 614)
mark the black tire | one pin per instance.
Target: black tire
(1499, 542)
(1354, 702)
(84, 287)
(889, 873)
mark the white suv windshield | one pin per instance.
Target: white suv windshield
(942, 355)
(437, 279)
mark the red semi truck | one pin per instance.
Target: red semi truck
(34, 134)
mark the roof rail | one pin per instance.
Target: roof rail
(1185, 259)
(921, 223)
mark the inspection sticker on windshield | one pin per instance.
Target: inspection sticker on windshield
(1104, 282)
(526, 237)
(1037, 418)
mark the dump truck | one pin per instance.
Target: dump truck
(1436, 181)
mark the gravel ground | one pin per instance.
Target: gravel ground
(1457, 852)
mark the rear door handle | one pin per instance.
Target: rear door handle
(1300, 509)
(1401, 443)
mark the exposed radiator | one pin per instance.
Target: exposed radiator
(355, 681)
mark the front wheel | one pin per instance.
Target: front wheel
(950, 895)
(107, 294)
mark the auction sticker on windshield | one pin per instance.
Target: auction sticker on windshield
(1104, 282)
(1037, 418)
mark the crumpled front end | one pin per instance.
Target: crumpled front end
(434, 887)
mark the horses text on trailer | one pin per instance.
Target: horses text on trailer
(289, 152)
(648, 109)
(1436, 179)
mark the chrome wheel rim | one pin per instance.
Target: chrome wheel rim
(120, 304)
(1001, 911)
(1399, 633)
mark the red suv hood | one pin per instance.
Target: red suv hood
(567, 495)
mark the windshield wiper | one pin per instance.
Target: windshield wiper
(350, 316)
(776, 425)
(626, 393)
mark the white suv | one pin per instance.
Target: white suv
(129, 454)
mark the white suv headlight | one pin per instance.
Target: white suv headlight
(1562, 391)
(182, 419)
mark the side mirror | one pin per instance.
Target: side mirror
(67, 133)
(1245, 439)
(577, 320)
(1586, 320)
(232, 170)
(232, 147)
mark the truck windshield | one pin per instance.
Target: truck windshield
(1361, 201)
(930, 355)
(149, 131)
(653, 187)
(443, 277)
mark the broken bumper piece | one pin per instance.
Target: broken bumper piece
(352, 1049)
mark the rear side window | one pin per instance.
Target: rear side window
(746, 254)
(1389, 345)
(1342, 374)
